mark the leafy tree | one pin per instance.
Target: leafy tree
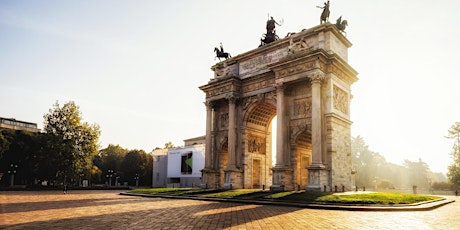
(71, 142)
(366, 163)
(139, 164)
(453, 173)
(169, 145)
(3, 145)
(419, 173)
(110, 158)
(22, 149)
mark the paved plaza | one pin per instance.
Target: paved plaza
(109, 210)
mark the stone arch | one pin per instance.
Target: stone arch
(258, 144)
(301, 157)
(222, 160)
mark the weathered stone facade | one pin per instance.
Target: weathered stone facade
(304, 80)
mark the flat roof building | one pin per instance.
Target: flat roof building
(11, 123)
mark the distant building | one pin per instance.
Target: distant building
(179, 167)
(160, 167)
(11, 123)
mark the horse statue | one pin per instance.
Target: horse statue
(221, 54)
(341, 25)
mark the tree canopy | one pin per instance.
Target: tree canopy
(453, 172)
(71, 142)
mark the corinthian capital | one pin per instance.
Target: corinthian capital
(317, 77)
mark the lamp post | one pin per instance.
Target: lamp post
(109, 176)
(137, 179)
(12, 171)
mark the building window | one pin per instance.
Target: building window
(187, 163)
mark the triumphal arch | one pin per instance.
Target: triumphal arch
(304, 80)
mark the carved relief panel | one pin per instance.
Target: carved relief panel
(340, 102)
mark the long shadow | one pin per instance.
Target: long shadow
(47, 205)
(219, 215)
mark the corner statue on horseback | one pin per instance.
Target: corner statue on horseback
(220, 53)
(325, 14)
(270, 36)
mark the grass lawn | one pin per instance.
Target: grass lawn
(387, 198)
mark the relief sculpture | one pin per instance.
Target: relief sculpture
(340, 100)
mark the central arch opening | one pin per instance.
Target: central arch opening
(259, 149)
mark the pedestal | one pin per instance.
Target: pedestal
(317, 178)
(210, 179)
(282, 179)
(233, 179)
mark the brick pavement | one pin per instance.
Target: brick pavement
(108, 210)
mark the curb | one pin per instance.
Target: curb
(422, 206)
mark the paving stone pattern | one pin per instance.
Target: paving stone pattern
(109, 210)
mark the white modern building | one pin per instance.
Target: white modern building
(181, 166)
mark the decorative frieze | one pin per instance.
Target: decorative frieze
(302, 107)
(256, 144)
(340, 101)
(253, 86)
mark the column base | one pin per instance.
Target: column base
(233, 179)
(209, 179)
(317, 178)
(282, 179)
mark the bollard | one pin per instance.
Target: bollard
(325, 188)
(356, 188)
(263, 187)
(298, 187)
(364, 188)
(206, 185)
(230, 186)
(343, 188)
(335, 188)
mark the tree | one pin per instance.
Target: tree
(3, 145)
(367, 163)
(138, 164)
(419, 173)
(453, 173)
(169, 145)
(111, 158)
(72, 143)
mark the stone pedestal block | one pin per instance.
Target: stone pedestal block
(233, 179)
(318, 178)
(282, 179)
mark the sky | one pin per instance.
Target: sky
(134, 67)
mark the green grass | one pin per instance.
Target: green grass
(234, 193)
(159, 190)
(385, 198)
(361, 198)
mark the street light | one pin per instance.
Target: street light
(137, 179)
(12, 171)
(109, 176)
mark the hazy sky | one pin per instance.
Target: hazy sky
(134, 67)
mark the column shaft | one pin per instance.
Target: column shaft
(316, 122)
(209, 125)
(231, 133)
(280, 127)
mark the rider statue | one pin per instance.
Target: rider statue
(325, 14)
(271, 26)
(270, 36)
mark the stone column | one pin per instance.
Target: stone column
(280, 127)
(317, 174)
(282, 174)
(316, 119)
(209, 125)
(231, 133)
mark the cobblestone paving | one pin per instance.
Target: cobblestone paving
(108, 210)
